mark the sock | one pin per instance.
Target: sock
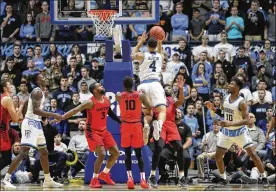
(7, 177)
(47, 177)
(181, 174)
(263, 175)
(95, 175)
(152, 172)
(129, 174)
(143, 177)
(223, 175)
(106, 170)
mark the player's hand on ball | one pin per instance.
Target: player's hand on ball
(225, 123)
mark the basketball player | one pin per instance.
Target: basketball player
(272, 123)
(97, 135)
(131, 129)
(150, 69)
(7, 113)
(234, 130)
(169, 133)
(32, 135)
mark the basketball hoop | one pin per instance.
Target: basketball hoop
(103, 21)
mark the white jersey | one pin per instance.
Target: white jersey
(30, 114)
(151, 66)
(232, 111)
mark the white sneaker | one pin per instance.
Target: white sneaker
(52, 184)
(146, 131)
(156, 130)
(7, 185)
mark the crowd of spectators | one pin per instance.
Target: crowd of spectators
(207, 70)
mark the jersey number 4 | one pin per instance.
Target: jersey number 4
(229, 117)
(130, 105)
(152, 66)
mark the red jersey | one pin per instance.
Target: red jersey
(5, 118)
(96, 117)
(171, 110)
(130, 107)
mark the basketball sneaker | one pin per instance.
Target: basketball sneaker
(106, 178)
(130, 183)
(146, 131)
(51, 184)
(152, 181)
(95, 183)
(265, 182)
(156, 130)
(6, 185)
(144, 184)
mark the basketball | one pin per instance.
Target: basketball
(157, 32)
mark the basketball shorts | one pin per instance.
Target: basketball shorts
(154, 91)
(32, 134)
(97, 138)
(132, 135)
(240, 136)
(170, 132)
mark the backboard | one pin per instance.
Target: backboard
(129, 11)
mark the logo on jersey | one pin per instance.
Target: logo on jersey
(27, 133)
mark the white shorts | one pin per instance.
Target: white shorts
(32, 134)
(243, 140)
(154, 91)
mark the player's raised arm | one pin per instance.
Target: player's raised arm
(36, 96)
(159, 48)
(136, 55)
(85, 105)
(8, 103)
(181, 98)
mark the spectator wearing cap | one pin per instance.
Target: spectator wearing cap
(270, 28)
(174, 65)
(207, 65)
(259, 108)
(215, 22)
(263, 61)
(262, 85)
(96, 72)
(228, 48)
(85, 94)
(180, 23)
(185, 53)
(241, 60)
(254, 23)
(203, 47)
(196, 26)
(234, 25)
(260, 76)
(85, 78)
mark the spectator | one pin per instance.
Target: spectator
(208, 147)
(196, 26)
(53, 52)
(241, 60)
(85, 94)
(23, 93)
(38, 59)
(59, 146)
(63, 95)
(137, 29)
(192, 100)
(265, 121)
(203, 6)
(33, 8)
(174, 65)
(211, 116)
(248, 52)
(85, 78)
(31, 69)
(270, 29)
(180, 23)
(221, 85)
(45, 31)
(74, 51)
(226, 47)
(260, 76)
(2, 7)
(71, 84)
(202, 60)
(259, 108)
(234, 25)
(14, 73)
(19, 60)
(78, 143)
(85, 32)
(167, 6)
(257, 136)
(30, 53)
(218, 70)
(201, 81)
(185, 53)
(66, 33)
(263, 61)
(215, 22)
(270, 55)
(203, 48)
(27, 30)
(10, 24)
(254, 23)
(262, 85)
(167, 77)
(96, 72)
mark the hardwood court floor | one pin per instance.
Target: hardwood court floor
(122, 187)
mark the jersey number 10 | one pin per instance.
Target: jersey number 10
(130, 105)
(229, 117)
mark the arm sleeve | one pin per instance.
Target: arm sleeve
(113, 116)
